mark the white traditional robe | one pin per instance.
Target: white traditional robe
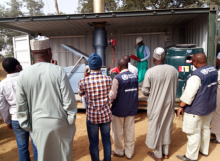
(215, 124)
(160, 83)
(47, 108)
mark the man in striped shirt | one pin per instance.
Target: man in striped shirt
(96, 86)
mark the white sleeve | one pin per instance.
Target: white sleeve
(192, 87)
(4, 107)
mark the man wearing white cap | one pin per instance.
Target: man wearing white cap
(160, 84)
(143, 53)
(46, 104)
(215, 124)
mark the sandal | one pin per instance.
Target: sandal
(115, 154)
(151, 154)
(213, 135)
(214, 141)
(203, 154)
(165, 156)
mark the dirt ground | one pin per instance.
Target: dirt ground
(9, 151)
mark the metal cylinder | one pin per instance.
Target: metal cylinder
(100, 41)
(98, 6)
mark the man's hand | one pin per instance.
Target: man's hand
(9, 126)
(180, 111)
(53, 61)
(138, 59)
(85, 73)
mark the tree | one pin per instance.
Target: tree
(128, 5)
(34, 7)
(6, 35)
(86, 6)
(14, 10)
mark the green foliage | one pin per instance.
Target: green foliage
(14, 10)
(86, 6)
(34, 7)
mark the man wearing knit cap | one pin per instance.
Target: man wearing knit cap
(96, 86)
(160, 84)
(215, 124)
(46, 104)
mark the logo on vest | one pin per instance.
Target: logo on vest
(124, 77)
(204, 71)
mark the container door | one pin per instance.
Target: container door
(21, 47)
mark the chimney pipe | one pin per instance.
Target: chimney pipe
(99, 33)
(98, 6)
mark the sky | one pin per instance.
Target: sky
(66, 6)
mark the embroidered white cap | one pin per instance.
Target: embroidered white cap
(40, 43)
(218, 56)
(159, 53)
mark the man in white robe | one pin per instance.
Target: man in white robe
(46, 105)
(215, 124)
(160, 84)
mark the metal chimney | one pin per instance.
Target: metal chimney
(98, 6)
(99, 33)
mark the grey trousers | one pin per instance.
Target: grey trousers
(160, 150)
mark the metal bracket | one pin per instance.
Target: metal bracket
(75, 65)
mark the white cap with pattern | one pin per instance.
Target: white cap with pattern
(218, 56)
(159, 53)
(40, 43)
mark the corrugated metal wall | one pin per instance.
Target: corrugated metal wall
(125, 45)
(195, 32)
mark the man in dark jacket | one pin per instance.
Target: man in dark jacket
(124, 98)
(198, 104)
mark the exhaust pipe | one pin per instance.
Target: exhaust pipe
(98, 6)
(99, 33)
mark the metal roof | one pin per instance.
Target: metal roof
(83, 22)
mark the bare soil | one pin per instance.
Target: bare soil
(9, 151)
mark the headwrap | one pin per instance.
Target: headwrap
(95, 61)
(159, 53)
(40, 43)
(218, 56)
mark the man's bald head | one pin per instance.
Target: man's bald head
(122, 64)
(199, 60)
(127, 57)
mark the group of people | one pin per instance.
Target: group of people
(40, 101)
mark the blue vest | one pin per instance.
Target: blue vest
(205, 100)
(126, 102)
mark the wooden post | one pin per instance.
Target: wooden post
(56, 6)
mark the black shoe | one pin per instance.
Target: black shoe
(203, 154)
(183, 157)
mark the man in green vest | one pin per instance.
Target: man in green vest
(143, 53)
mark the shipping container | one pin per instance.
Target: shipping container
(159, 28)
